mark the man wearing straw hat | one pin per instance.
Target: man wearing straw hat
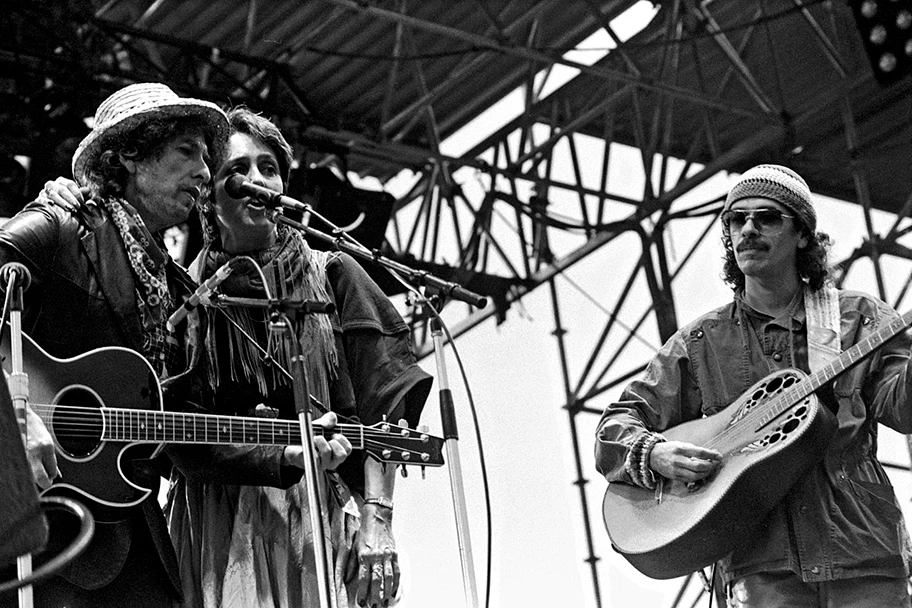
(162, 146)
(101, 277)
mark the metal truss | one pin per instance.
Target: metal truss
(539, 190)
(545, 192)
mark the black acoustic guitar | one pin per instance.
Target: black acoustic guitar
(104, 409)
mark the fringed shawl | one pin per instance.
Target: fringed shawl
(292, 271)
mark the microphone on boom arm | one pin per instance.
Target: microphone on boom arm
(238, 187)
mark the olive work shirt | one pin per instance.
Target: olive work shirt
(842, 519)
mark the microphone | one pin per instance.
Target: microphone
(238, 187)
(16, 272)
(201, 294)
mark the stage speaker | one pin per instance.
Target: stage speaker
(886, 30)
(365, 211)
(364, 215)
(23, 528)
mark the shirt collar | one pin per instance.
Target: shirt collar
(795, 311)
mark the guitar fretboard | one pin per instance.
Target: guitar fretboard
(174, 427)
(844, 361)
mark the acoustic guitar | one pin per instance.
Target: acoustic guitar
(769, 438)
(104, 409)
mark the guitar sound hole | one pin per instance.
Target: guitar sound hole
(77, 422)
(774, 438)
(790, 426)
(773, 385)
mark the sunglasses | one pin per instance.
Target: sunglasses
(765, 220)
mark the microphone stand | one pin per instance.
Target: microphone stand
(350, 246)
(315, 495)
(451, 440)
(451, 435)
(278, 320)
(19, 392)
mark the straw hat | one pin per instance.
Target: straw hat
(131, 106)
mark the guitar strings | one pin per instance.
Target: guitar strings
(102, 417)
(783, 400)
(811, 382)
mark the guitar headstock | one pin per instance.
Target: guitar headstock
(397, 444)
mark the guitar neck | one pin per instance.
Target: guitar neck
(844, 361)
(144, 426)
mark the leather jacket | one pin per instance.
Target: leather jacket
(82, 296)
(842, 519)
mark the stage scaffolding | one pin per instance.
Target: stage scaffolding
(633, 149)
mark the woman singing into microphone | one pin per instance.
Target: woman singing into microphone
(247, 545)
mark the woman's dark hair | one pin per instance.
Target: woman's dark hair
(242, 119)
(811, 262)
(107, 175)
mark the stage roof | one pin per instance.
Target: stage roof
(381, 83)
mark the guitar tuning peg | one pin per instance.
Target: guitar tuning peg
(403, 422)
(423, 471)
(404, 471)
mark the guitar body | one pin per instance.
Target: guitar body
(694, 525)
(92, 468)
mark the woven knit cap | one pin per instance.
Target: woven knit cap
(129, 107)
(780, 184)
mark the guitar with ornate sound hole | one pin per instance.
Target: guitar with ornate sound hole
(769, 438)
(104, 409)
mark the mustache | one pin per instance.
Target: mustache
(751, 243)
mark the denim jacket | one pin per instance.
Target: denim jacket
(842, 519)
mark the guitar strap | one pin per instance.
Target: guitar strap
(821, 309)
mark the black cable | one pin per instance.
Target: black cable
(475, 424)
(77, 546)
(481, 457)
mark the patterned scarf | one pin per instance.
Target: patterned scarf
(292, 271)
(154, 300)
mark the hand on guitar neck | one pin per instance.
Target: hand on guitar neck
(685, 462)
(330, 453)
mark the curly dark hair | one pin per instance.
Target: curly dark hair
(811, 262)
(107, 175)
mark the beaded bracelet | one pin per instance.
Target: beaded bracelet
(637, 462)
(648, 479)
(632, 462)
(380, 501)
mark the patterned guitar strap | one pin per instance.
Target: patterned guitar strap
(821, 308)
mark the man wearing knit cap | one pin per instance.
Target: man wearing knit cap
(824, 529)
(101, 277)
